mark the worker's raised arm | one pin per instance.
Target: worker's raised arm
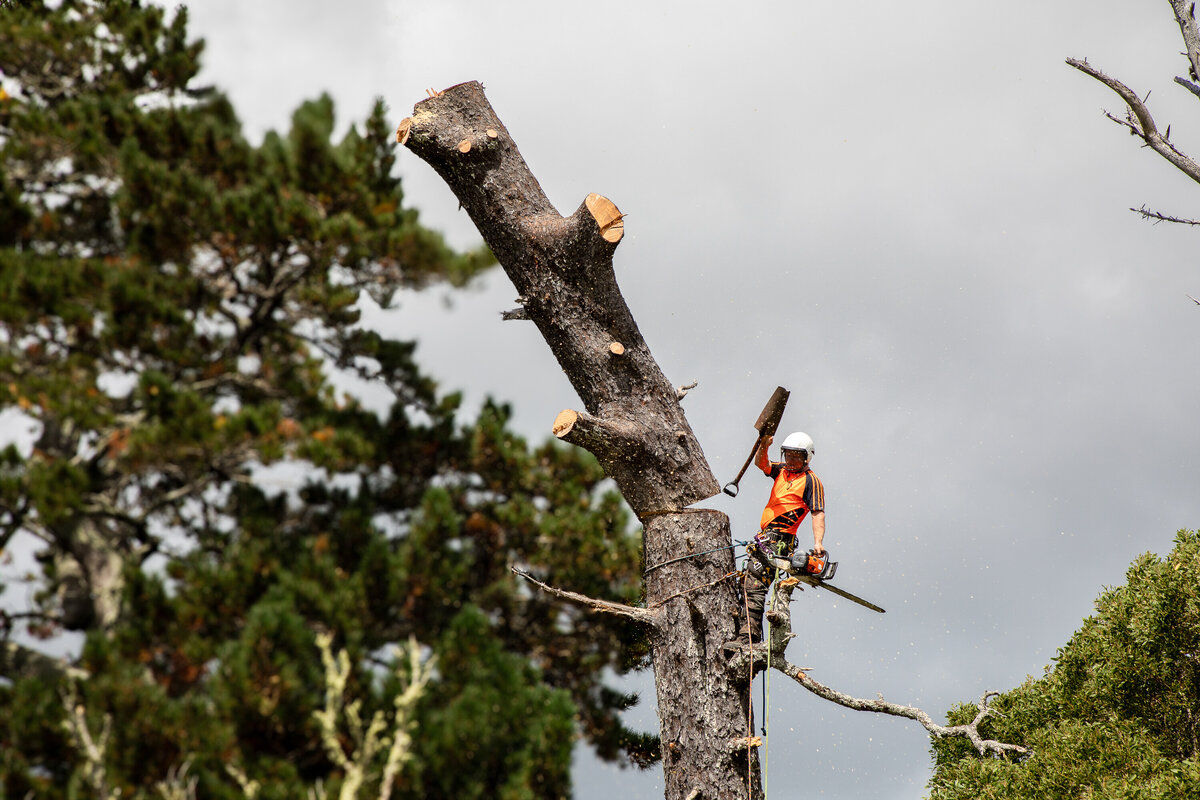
(762, 459)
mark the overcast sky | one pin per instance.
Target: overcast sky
(912, 215)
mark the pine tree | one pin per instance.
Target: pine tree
(175, 306)
(1116, 716)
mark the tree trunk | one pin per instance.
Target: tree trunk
(633, 423)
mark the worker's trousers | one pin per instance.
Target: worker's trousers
(756, 582)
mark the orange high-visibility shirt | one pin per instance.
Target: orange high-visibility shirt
(793, 495)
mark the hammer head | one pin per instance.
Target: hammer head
(768, 420)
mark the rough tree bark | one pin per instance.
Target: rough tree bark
(633, 424)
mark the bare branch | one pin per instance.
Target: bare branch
(881, 706)
(781, 634)
(1191, 87)
(1191, 36)
(1140, 121)
(642, 615)
(1157, 217)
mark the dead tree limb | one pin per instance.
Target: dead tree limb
(1138, 118)
(781, 634)
(642, 616)
(1140, 122)
(1184, 17)
(881, 706)
(563, 268)
(1157, 217)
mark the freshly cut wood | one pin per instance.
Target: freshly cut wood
(464, 146)
(564, 422)
(617, 349)
(492, 133)
(402, 131)
(607, 216)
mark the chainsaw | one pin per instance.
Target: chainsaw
(808, 567)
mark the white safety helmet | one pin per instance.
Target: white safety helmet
(799, 441)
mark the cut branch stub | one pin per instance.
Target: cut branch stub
(607, 216)
(564, 422)
(563, 266)
(607, 440)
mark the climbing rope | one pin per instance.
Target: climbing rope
(749, 703)
(736, 543)
(724, 577)
(767, 694)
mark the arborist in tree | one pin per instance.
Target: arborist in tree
(796, 493)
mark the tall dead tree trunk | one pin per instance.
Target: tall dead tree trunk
(632, 422)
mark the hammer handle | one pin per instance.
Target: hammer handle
(734, 483)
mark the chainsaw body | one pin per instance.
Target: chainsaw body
(809, 563)
(805, 562)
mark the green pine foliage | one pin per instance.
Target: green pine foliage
(175, 306)
(1118, 716)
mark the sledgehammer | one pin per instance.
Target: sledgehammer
(768, 421)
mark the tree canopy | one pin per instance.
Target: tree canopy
(1116, 714)
(179, 312)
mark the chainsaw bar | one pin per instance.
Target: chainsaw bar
(784, 565)
(811, 581)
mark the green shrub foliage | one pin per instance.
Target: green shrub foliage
(1118, 714)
